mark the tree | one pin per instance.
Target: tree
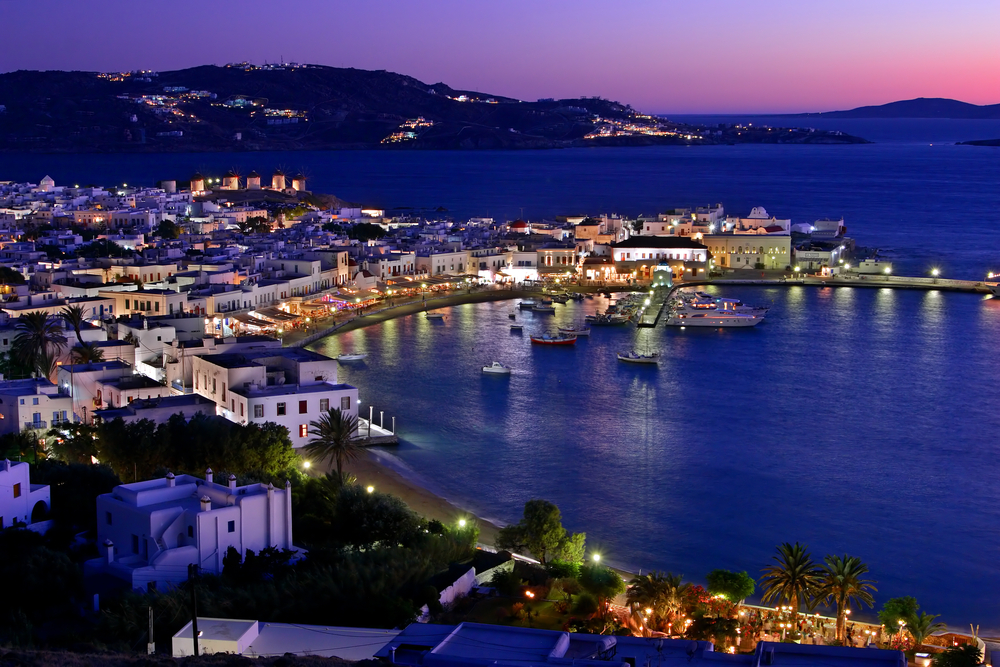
(603, 583)
(73, 316)
(661, 594)
(921, 626)
(74, 443)
(541, 532)
(895, 610)
(365, 520)
(167, 229)
(333, 437)
(87, 353)
(966, 655)
(255, 225)
(841, 584)
(9, 276)
(38, 341)
(733, 586)
(365, 231)
(794, 579)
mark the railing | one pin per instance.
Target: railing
(35, 425)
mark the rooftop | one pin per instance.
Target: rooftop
(290, 389)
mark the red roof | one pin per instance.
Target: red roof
(518, 224)
(770, 229)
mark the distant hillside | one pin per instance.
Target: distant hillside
(246, 108)
(922, 107)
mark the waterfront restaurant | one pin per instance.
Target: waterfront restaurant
(640, 256)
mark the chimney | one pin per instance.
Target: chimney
(232, 483)
(170, 479)
(206, 503)
(208, 475)
(109, 548)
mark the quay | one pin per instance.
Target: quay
(853, 280)
(374, 435)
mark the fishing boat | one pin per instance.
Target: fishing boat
(516, 327)
(496, 368)
(543, 308)
(574, 331)
(553, 339)
(434, 316)
(560, 298)
(526, 304)
(512, 316)
(633, 357)
(351, 357)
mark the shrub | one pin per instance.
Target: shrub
(506, 582)
(560, 569)
(586, 605)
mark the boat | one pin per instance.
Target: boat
(351, 357)
(576, 296)
(516, 327)
(633, 357)
(434, 316)
(608, 320)
(560, 298)
(574, 331)
(543, 308)
(496, 368)
(512, 316)
(995, 290)
(526, 304)
(553, 339)
(716, 319)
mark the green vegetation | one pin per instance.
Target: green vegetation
(966, 655)
(333, 438)
(541, 532)
(38, 342)
(733, 586)
(841, 584)
(659, 597)
(167, 229)
(795, 579)
(255, 225)
(9, 276)
(365, 231)
(896, 611)
(923, 625)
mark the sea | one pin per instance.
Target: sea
(856, 421)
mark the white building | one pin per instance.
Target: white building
(151, 531)
(32, 404)
(105, 384)
(758, 222)
(286, 386)
(20, 500)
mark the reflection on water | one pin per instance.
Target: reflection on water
(854, 420)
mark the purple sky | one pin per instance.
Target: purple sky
(698, 56)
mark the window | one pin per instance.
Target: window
(232, 405)
(281, 409)
(17, 490)
(241, 409)
(232, 526)
(345, 403)
(55, 417)
(107, 518)
(157, 308)
(223, 392)
(34, 401)
(190, 531)
(126, 304)
(196, 378)
(258, 411)
(214, 386)
(303, 430)
(303, 407)
(135, 544)
(324, 405)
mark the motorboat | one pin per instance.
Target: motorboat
(526, 304)
(714, 319)
(633, 357)
(608, 320)
(553, 339)
(560, 298)
(434, 316)
(351, 357)
(496, 368)
(516, 327)
(512, 316)
(574, 331)
(543, 308)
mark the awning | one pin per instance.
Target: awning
(248, 319)
(275, 314)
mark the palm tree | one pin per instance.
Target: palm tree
(795, 579)
(921, 626)
(74, 317)
(841, 584)
(662, 594)
(333, 437)
(38, 341)
(87, 353)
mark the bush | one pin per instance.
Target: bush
(506, 582)
(586, 605)
(967, 655)
(560, 569)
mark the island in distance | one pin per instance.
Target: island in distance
(243, 107)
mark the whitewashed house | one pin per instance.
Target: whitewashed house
(32, 404)
(287, 386)
(20, 500)
(151, 531)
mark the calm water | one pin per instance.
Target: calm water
(857, 421)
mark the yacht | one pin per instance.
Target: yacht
(712, 318)
(496, 368)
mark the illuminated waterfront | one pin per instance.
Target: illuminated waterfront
(847, 421)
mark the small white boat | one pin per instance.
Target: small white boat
(351, 357)
(496, 368)
(633, 357)
(434, 316)
(575, 331)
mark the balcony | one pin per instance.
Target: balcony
(36, 425)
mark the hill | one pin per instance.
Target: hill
(245, 107)
(921, 107)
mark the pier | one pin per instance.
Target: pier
(657, 302)
(856, 280)
(373, 435)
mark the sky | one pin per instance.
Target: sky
(660, 56)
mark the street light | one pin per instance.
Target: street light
(306, 465)
(370, 489)
(596, 558)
